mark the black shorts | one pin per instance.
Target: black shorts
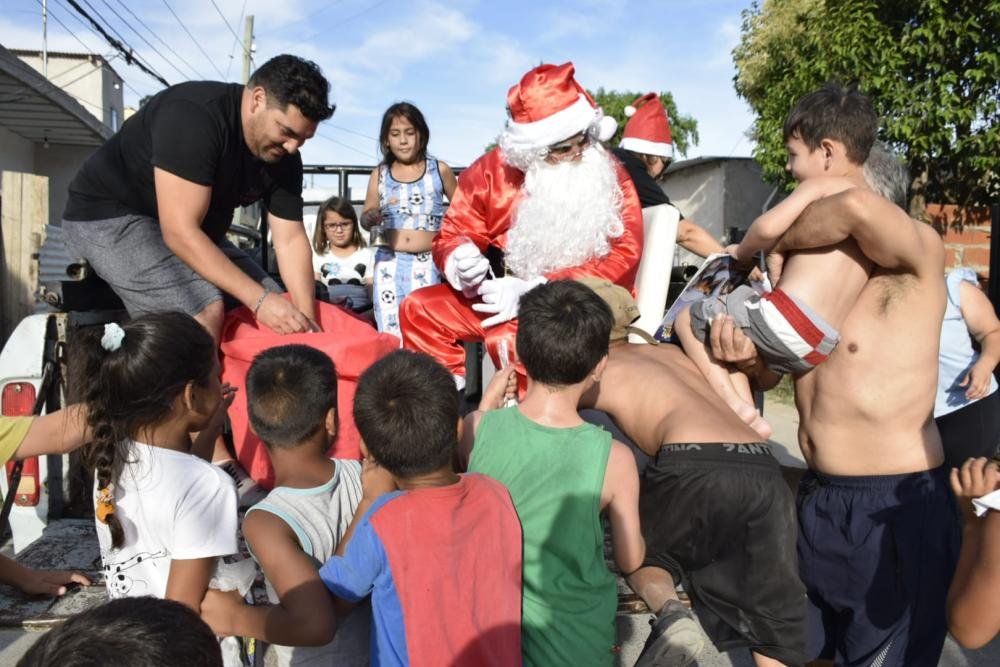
(877, 555)
(971, 431)
(720, 518)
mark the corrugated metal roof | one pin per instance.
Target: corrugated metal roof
(33, 107)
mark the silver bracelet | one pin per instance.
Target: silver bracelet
(260, 301)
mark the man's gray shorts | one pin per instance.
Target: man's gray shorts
(742, 304)
(129, 254)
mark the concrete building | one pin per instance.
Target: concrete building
(721, 194)
(86, 77)
(48, 131)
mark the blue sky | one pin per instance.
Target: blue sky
(454, 60)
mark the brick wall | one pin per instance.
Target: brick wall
(966, 236)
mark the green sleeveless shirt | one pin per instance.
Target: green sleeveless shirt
(555, 476)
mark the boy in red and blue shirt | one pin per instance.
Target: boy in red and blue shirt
(441, 556)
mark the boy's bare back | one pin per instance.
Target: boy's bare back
(656, 395)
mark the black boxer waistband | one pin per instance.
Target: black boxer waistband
(756, 453)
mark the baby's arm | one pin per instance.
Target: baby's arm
(304, 615)
(620, 496)
(973, 615)
(765, 231)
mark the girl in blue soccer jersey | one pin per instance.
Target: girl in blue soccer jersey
(406, 196)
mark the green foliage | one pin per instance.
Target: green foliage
(931, 67)
(683, 128)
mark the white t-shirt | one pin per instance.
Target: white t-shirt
(171, 505)
(330, 266)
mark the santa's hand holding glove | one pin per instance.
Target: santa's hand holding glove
(466, 268)
(501, 298)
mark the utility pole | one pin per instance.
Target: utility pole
(45, 39)
(248, 47)
(248, 216)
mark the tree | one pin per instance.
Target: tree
(683, 128)
(931, 67)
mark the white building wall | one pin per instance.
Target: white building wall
(60, 164)
(88, 79)
(698, 192)
(16, 152)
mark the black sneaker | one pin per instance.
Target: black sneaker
(675, 638)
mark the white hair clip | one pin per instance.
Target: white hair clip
(113, 336)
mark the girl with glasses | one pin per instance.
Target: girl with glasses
(340, 255)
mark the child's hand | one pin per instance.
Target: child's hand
(978, 380)
(375, 480)
(731, 249)
(775, 263)
(502, 387)
(218, 417)
(974, 479)
(50, 582)
(218, 609)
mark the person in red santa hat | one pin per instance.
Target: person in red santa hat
(645, 151)
(550, 198)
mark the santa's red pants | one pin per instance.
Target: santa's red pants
(437, 319)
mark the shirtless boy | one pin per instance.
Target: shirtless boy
(878, 535)
(828, 135)
(713, 507)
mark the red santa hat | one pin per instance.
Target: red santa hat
(647, 130)
(548, 106)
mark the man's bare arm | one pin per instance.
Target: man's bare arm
(884, 232)
(696, 239)
(294, 255)
(182, 206)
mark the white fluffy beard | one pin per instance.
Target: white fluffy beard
(568, 214)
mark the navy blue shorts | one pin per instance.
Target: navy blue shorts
(877, 555)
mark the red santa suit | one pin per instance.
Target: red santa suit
(436, 319)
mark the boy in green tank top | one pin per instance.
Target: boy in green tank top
(562, 474)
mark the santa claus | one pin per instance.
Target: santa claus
(550, 198)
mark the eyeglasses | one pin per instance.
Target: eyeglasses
(571, 147)
(337, 225)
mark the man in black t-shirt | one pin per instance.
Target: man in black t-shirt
(150, 209)
(645, 151)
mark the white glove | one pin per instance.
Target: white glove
(501, 297)
(466, 267)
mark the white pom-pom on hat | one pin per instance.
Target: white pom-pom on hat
(630, 111)
(606, 128)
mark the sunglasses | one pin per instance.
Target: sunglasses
(572, 146)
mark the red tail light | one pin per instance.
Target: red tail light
(18, 399)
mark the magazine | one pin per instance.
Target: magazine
(717, 276)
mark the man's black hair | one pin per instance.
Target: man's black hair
(290, 390)
(562, 332)
(293, 80)
(842, 113)
(406, 409)
(129, 632)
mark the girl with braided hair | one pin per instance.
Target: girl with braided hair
(163, 513)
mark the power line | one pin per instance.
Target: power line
(143, 38)
(358, 134)
(246, 50)
(341, 143)
(184, 28)
(129, 57)
(135, 54)
(236, 40)
(198, 74)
